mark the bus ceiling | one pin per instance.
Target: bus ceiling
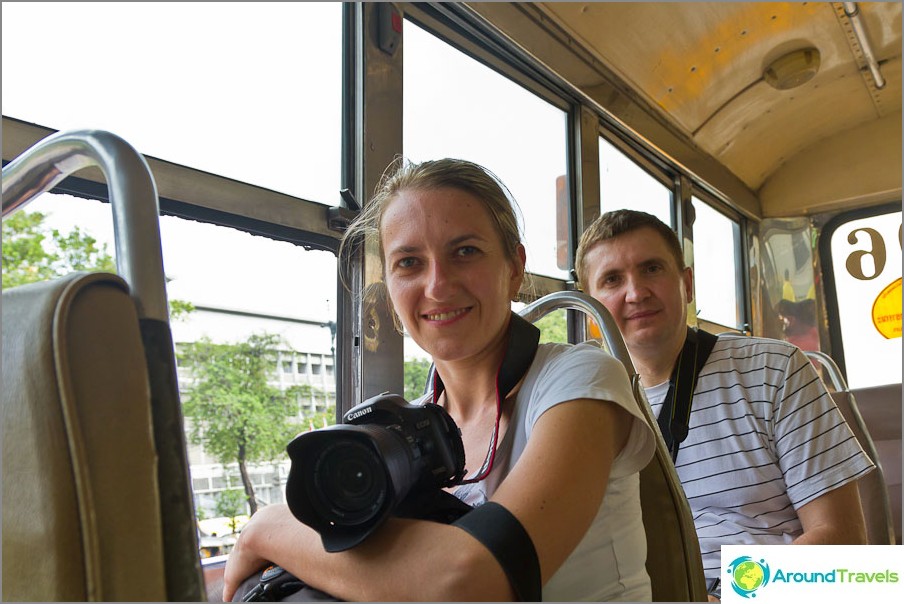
(699, 81)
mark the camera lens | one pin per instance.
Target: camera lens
(351, 482)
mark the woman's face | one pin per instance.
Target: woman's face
(447, 273)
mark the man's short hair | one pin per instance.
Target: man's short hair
(618, 222)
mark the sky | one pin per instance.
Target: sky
(251, 91)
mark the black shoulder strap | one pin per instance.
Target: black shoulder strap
(674, 416)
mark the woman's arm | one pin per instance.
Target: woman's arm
(554, 490)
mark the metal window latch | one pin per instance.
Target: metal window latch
(338, 218)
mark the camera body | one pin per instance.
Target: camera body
(346, 479)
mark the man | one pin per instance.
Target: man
(768, 458)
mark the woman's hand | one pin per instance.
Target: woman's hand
(246, 557)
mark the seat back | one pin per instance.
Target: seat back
(880, 408)
(880, 528)
(89, 373)
(873, 489)
(674, 562)
(81, 518)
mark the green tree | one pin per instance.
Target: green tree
(553, 327)
(33, 252)
(230, 504)
(415, 371)
(238, 417)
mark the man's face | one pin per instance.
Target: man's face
(637, 279)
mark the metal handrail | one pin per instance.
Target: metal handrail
(133, 195)
(576, 300)
(832, 369)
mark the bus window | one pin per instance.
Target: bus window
(624, 184)
(866, 270)
(518, 136)
(232, 293)
(219, 98)
(457, 107)
(241, 82)
(717, 254)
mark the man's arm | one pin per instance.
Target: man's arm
(835, 518)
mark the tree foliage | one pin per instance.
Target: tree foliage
(32, 252)
(415, 371)
(553, 327)
(230, 504)
(237, 416)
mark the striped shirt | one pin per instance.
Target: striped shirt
(764, 439)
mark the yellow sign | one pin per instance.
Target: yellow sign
(887, 310)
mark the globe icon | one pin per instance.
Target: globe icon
(748, 575)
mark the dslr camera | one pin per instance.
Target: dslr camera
(386, 456)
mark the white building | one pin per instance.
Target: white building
(307, 359)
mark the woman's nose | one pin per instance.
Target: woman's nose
(439, 281)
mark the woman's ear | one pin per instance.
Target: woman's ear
(518, 273)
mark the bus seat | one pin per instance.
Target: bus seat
(873, 489)
(880, 410)
(874, 492)
(81, 518)
(674, 562)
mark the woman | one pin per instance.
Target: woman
(569, 432)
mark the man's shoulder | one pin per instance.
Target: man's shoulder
(740, 352)
(729, 342)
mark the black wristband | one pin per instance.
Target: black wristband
(501, 533)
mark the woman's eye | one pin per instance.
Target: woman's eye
(466, 250)
(406, 263)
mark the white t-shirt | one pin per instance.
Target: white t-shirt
(609, 562)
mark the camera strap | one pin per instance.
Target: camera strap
(523, 340)
(675, 414)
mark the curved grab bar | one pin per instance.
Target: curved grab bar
(133, 195)
(831, 367)
(584, 302)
